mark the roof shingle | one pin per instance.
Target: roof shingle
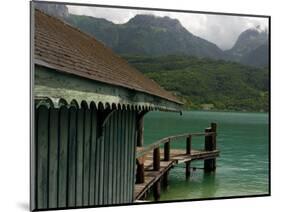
(72, 51)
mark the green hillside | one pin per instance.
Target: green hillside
(207, 83)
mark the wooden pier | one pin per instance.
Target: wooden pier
(154, 162)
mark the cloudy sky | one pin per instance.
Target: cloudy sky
(220, 29)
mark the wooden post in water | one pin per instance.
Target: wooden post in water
(165, 179)
(188, 145)
(188, 151)
(140, 172)
(210, 145)
(208, 140)
(156, 159)
(157, 190)
(167, 151)
(140, 168)
(214, 130)
(166, 158)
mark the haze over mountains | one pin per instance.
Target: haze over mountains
(157, 36)
(147, 35)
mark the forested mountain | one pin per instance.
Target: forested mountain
(224, 85)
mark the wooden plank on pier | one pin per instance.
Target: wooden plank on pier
(180, 156)
(176, 156)
(151, 177)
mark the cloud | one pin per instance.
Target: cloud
(223, 30)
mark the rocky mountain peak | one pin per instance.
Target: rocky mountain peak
(155, 21)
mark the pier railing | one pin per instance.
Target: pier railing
(210, 145)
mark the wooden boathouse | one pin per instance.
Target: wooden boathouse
(89, 106)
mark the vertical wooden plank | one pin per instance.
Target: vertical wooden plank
(42, 164)
(126, 184)
(35, 168)
(53, 153)
(101, 166)
(86, 158)
(118, 167)
(130, 173)
(131, 159)
(110, 159)
(71, 191)
(62, 157)
(101, 163)
(133, 154)
(93, 157)
(79, 157)
(125, 158)
(115, 156)
(124, 161)
(122, 158)
(115, 153)
(98, 164)
(105, 159)
(129, 156)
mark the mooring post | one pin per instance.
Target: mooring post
(165, 179)
(166, 158)
(188, 145)
(214, 130)
(188, 151)
(167, 151)
(187, 169)
(157, 190)
(156, 159)
(140, 171)
(210, 164)
(208, 139)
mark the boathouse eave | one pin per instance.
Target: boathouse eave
(54, 88)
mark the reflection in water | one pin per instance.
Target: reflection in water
(210, 185)
(242, 168)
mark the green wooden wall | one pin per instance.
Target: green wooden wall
(74, 166)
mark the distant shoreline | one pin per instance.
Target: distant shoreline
(231, 111)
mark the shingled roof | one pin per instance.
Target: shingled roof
(69, 50)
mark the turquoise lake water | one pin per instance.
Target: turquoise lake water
(242, 168)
